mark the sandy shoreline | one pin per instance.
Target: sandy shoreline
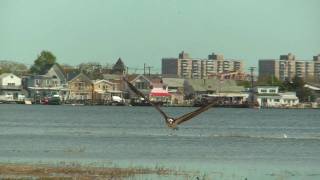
(40, 171)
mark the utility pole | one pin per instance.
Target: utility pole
(251, 69)
(92, 94)
(146, 67)
(149, 67)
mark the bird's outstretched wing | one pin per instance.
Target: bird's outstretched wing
(137, 92)
(192, 114)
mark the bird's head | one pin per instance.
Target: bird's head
(171, 123)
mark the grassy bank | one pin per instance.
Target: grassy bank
(39, 171)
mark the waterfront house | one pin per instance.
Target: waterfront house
(42, 86)
(57, 74)
(176, 89)
(141, 82)
(10, 88)
(269, 96)
(159, 92)
(315, 89)
(104, 90)
(224, 91)
(81, 88)
(289, 99)
(53, 83)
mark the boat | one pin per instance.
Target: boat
(135, 102)
(28, 102)
(142, 102)
(51, 100)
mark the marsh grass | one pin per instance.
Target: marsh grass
(76, 171)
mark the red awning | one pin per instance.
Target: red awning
(160, 94)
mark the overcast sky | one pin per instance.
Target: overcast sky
(144, 31)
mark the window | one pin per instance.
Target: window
(141, 85)
(276, 100)
(272, 91)
(263, 90)
(81, 86)
(11, 84)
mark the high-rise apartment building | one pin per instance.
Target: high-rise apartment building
(287, 67)
(316, 61)
(195, 68)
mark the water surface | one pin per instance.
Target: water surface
(220, 143)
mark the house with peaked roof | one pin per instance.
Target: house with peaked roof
(119, 67)
(57, 73)
(104, 90)
(141, 82)
(80, 88)
(159, 92)
(10, 88)
(176, 89)
(54, 82)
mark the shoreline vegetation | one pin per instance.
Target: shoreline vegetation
(75, 171)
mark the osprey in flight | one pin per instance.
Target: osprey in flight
(170, 121)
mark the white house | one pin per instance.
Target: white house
(289, 99)
(10, 87)
(269, 96)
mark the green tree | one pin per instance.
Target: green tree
(92, 69)
(246, 84)
(13, 67)
(297, 84)
(305, 95)
(43, 63)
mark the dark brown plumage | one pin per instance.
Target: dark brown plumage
(170, 121)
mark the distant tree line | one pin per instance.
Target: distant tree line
(46, 59)
(13, 67)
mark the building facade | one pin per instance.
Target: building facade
(269, 97)
(10, 88)
(53, 83)
(104, 90)
(316, 61)
(80, 88)
(287, 67)
(195, 68)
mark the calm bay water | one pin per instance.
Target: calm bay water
(220, 143)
